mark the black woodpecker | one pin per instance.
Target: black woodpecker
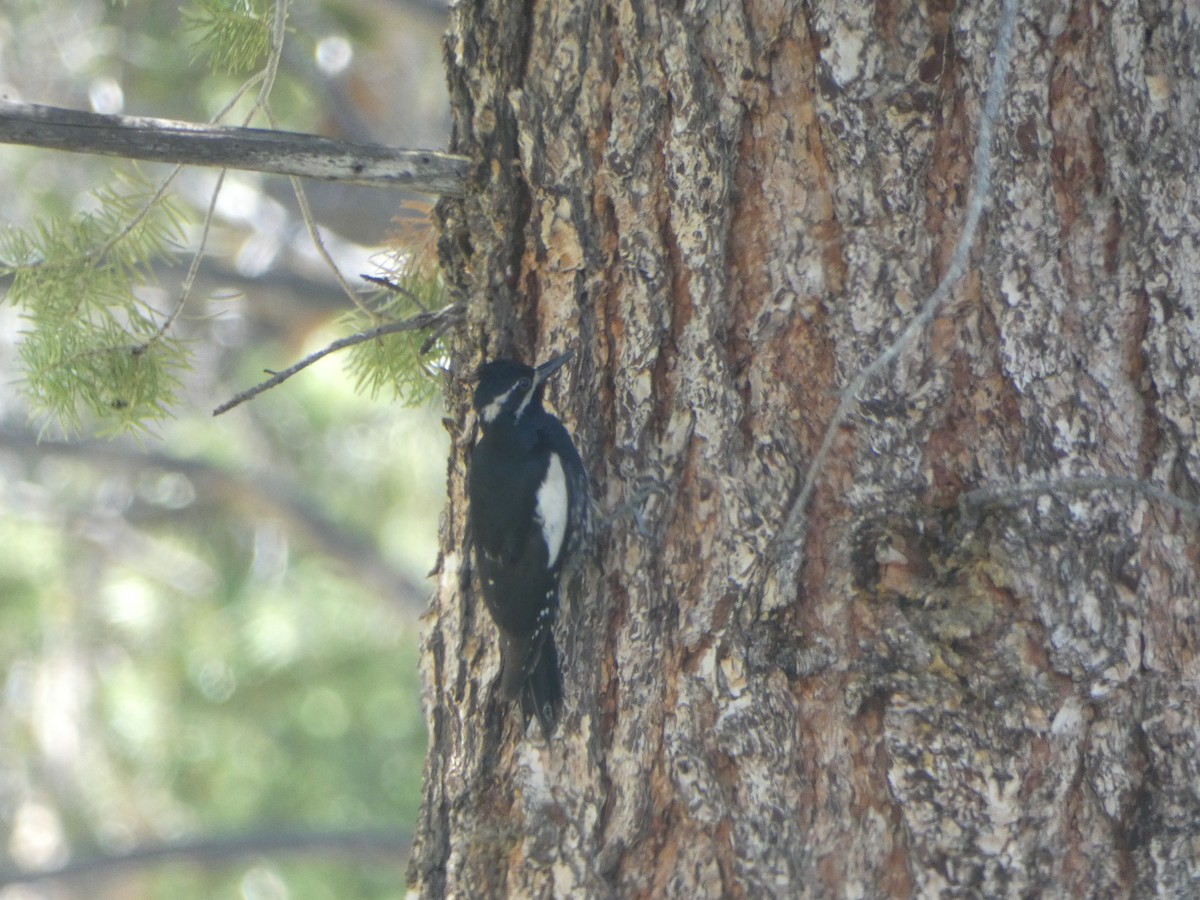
(528, 497)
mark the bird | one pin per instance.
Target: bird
(528, 510)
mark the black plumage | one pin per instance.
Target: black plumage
(527, 491)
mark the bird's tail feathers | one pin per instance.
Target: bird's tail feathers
(531, 671)
(543, 693)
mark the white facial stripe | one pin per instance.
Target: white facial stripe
(489, 412)
(533, 386)
(552, 508)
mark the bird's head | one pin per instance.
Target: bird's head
(509, 388)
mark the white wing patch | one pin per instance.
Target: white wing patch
(552, 508)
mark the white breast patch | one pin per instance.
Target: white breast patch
(552, 508)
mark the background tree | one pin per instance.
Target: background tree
(965, 663)
(208, 635)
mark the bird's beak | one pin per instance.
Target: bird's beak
(546, 369)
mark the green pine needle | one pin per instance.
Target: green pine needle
(94, 353)
(394, 362)
(234, 35)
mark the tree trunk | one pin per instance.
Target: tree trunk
(731, 209)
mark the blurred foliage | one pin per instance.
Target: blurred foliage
(211, 629)
(234, 35)
(401, 364)
(92, 348)
(191, 650)
(97, 356)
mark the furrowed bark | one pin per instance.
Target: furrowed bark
(731, 209)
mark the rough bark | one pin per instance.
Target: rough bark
(731, 208)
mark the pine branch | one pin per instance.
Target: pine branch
(256, 149)
(435, 320)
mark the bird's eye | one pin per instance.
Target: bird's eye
(524, 383)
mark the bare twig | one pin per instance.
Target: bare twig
(171, 176)
(185, 289)
(794, 526)
(314, 234)
(394, 287)
(278, 31)
(438, 331)
(255, 149)
(437, 319)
